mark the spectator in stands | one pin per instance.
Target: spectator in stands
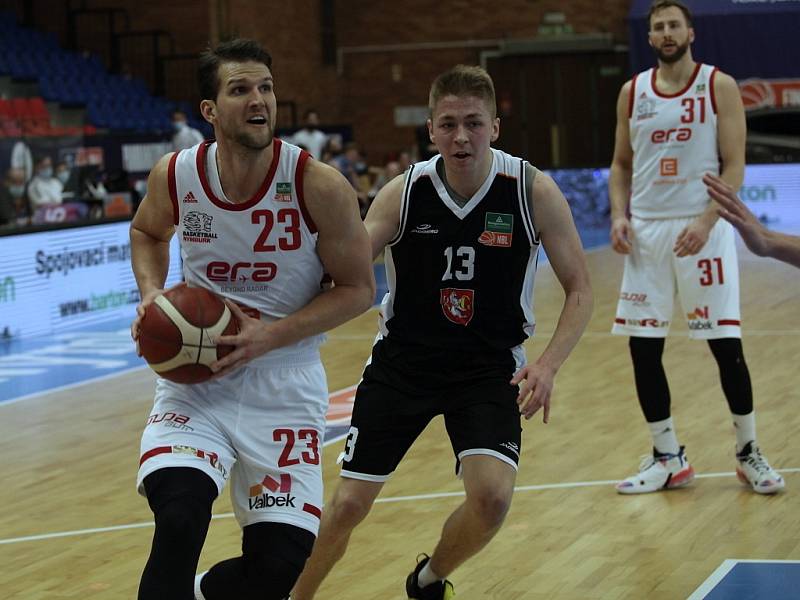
(44, 188)
(13, 204)
(64, 175)
(310, 137)
(185, 136)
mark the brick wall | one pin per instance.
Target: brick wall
(368, 84)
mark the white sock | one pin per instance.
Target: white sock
(427, 576)
(745, 426)
(664, 438)
(197, 593)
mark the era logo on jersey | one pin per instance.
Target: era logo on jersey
(668, 167)
(676, 134)
(197, 228)
(222, 271)
(457, 305)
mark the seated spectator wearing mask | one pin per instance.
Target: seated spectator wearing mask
(44, 188)
(185, 136)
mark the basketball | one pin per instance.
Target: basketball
(177, 332)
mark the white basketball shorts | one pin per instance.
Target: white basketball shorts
(707, 282)
(260, 426)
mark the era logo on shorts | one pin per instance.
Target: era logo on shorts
(272, 492)
(668, 167)
(457, 305)
(662, 136)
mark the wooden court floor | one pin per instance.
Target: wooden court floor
(68, 464)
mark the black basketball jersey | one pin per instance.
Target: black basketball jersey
(462, 277)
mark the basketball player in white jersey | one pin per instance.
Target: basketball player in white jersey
(675, 123)
(259, 223)
(462, 232)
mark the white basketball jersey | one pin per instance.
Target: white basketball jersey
(674, 141)
(262, 253)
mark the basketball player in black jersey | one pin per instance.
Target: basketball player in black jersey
(461, 233)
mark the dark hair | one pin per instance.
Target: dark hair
(463, 80)
(658, 5)
(235, 50)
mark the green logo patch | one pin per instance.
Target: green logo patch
(283, 188)
(499, 222)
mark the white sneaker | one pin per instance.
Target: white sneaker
(754, 470)
(658, 472)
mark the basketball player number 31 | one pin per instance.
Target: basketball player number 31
(309, 454)
(710, 269)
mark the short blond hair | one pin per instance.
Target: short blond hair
(463, 80)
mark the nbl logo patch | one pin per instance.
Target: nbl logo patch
(283, 192)
(498, 230)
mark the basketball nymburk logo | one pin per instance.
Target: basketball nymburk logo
(189, 198)
(498, 230)
(283, 192)
(197, 228)
(645, 108)
(272, 492)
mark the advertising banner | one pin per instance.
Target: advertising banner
(55, 281)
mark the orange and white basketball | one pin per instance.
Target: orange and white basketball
(177, 333)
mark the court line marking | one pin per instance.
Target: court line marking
(722, 571)
(433, 496)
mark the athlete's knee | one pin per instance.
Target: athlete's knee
(181, 502)
(646, 349)
(728, 352)
(349, 506)
(491, 505)
(274, 556)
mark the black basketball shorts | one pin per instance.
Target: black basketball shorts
(405, 385)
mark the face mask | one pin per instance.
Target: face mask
(63, 176)
(46, 173)
(16, 191)
(179, 125)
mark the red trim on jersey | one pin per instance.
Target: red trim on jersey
(311, 509)
(172, 184)
(619, 321)
(679, 93)
(729, 322)
(201, 171)
(631, 96)
(155, 451)
(711, 90)
(298, 185)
